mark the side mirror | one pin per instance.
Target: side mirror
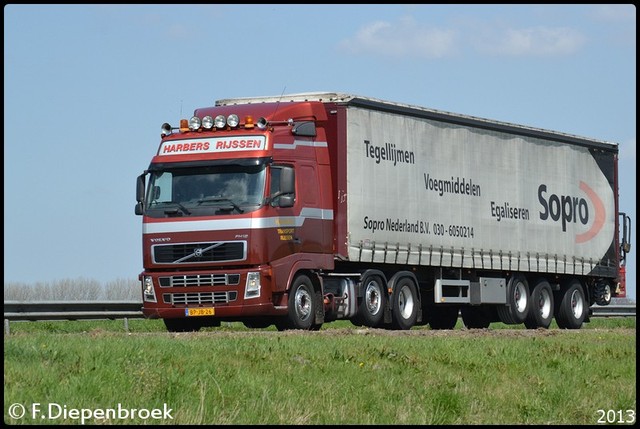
(286, 200)
(140, 185)
(140, 188)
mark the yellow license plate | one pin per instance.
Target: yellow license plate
(199, 311)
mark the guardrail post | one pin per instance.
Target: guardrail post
(6, 326)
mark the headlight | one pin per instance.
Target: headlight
(252, 288)
(207, 122)
(220, 121)
(233, 120)
(148, 293)
(194, 123)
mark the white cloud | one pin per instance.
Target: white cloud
(404, 38)
(408, 38)
(533, 41)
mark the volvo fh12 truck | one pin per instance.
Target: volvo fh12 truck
(302, 209)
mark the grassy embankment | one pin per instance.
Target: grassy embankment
(339, 375)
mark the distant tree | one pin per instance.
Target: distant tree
(123, 290)
(79, 289)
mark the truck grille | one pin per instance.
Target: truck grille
(200, 280)
(199, 298)
(194, 253)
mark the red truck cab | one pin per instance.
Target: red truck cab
(232, 205)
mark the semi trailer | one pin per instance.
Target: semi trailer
(302, 209)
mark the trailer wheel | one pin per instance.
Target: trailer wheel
(571, 310)
(405, 304)
(475, 317)
(181, 325)
(443, 316)
(541, 311)
(517, 307)
(373, 303)
(302, 305)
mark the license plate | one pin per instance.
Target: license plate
(199, 311)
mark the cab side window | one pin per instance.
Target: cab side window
(278, 195)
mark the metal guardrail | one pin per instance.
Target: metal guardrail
(71, 310)
(622, 310)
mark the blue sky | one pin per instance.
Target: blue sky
(87, 87)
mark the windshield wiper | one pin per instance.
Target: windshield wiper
(182, 208)
(219, 199)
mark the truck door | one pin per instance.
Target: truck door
(300, 228)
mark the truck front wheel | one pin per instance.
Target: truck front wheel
(302, 305)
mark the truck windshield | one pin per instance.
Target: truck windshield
(205, 191)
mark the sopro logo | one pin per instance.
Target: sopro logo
(571, 209)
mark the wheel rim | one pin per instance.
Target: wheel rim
(544, 303)
(607, 293)
(520, 297)
(577, 306)
(303, 304)
(405, 302)
(372, 297)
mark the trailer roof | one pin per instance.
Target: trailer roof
(423, 112)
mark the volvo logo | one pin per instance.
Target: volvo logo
(198, 252)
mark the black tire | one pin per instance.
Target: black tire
(518, 301)
(475, 317)
(182, 325)
(302, 305)
(282, 323)
(404, 304)
(542, 306)
(571, 308)
(373, 302)
(443, 316)
(319, 312)
(258, 323)
(602, 293)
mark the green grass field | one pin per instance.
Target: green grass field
(95, 372)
